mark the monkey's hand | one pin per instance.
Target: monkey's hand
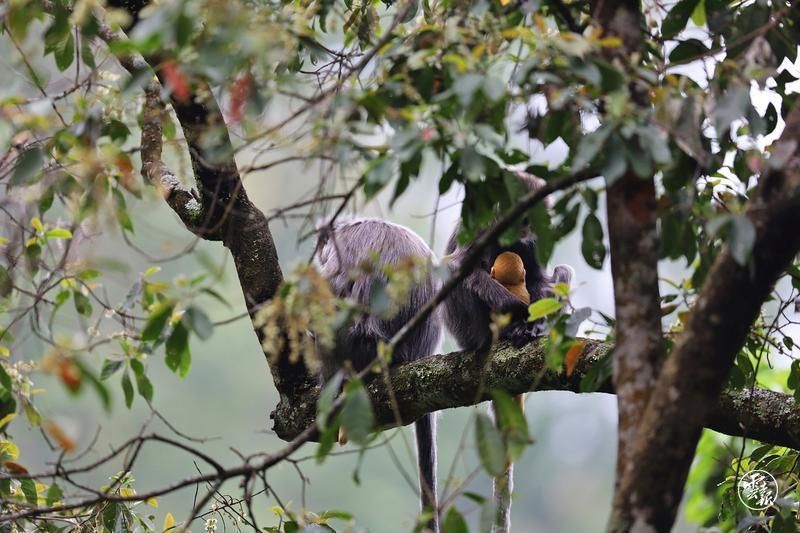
(521, 332)
(515, 307)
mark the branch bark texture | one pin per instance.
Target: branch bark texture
(692, 377)
(219, 208)
(639, 346)
(450, 380)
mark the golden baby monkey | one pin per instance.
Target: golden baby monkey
(509, 270)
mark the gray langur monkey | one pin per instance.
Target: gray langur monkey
(342, 250)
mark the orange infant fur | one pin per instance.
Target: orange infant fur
(509, 271)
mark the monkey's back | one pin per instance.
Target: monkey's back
(341, 255)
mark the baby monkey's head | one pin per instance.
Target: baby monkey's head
(509, 270)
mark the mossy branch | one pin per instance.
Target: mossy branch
(454, 380)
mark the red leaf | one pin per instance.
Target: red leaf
(573, 354)
(176, 80)
(240, 92)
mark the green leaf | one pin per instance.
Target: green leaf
(357, 416)
(5, 379)
(6, 285)
(110, 367)
(28, 166)
(33, 254)
(65, 53)
(33, 414)
(733, 105)
(88, 274)
(29, 490)
(336, 513)
(143, 384)
(454, 522)
(8, 451)
(699, 14)
(97, 385)
(179, 358)
(144, 387)
(326, 441)
(54, 494)
(110, 515)
(121, 211)
(46, 201)
(127, 389)
(115, 129)
(741, 235)
(197, 320)
(87, 56)
(157, 321)
(378, 174)
(614, 164)
(489, 444)
(5, 490)
(542, 308)
(82, 304)
(216, 295)
(678, 16)
(512, 423)
(327, 396)
(640, 160)
(475, 497)
(590, 146)
(688, 49)
(592, 247)
(656, 143)
(58, 233)
(124, 521)
(411, 13)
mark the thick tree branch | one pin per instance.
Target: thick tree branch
(693, 375)
(639, 346)
(634, 243)
(224, 212)
(447, 381)
(183, 200)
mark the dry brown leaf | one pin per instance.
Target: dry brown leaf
(573, 354)
(66, 442)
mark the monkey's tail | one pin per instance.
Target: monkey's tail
(425, 429)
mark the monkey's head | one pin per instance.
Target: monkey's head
(508, 269)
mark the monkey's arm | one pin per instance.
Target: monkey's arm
(494, 295)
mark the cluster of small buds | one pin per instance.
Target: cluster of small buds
(402, 278)
(301, 316)
(211, 525)
(18, 372)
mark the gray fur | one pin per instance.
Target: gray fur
(340, 251)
